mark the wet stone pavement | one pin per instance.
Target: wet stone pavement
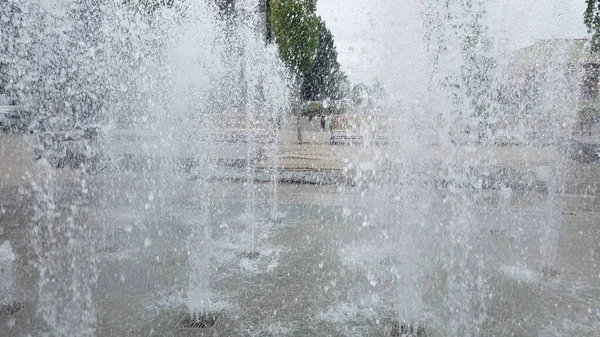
(334, 262)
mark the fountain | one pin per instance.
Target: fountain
(157, 145)
(454, 50)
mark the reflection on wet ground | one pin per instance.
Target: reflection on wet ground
(330, 266)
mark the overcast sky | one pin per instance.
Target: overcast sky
(364, 30)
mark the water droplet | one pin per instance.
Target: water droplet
(147, 242)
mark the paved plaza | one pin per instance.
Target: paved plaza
(336, 260)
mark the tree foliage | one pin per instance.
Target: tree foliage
(295, 29)
(322, 80)
(591, 18)
(307, 47)
(10, 12)
(148, 6)
(368, 97)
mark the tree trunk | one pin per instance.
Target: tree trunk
(298, 107)
(299, 127)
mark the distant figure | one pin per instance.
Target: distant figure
(323, 123)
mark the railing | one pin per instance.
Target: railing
(357, 128)
(13, 119)
(4, 108)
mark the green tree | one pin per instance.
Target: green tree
(591, 18)
(342, 85)
(358, 94)
(321, 81)
(295, 27)
(307, 47)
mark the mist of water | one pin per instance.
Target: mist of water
(149, 86)
(151, 96)
(449, 80)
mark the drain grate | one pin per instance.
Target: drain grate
(11, 309)
(504, 232)
(198, 321)
(251, 255)
(549, 271)
(408, 330)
